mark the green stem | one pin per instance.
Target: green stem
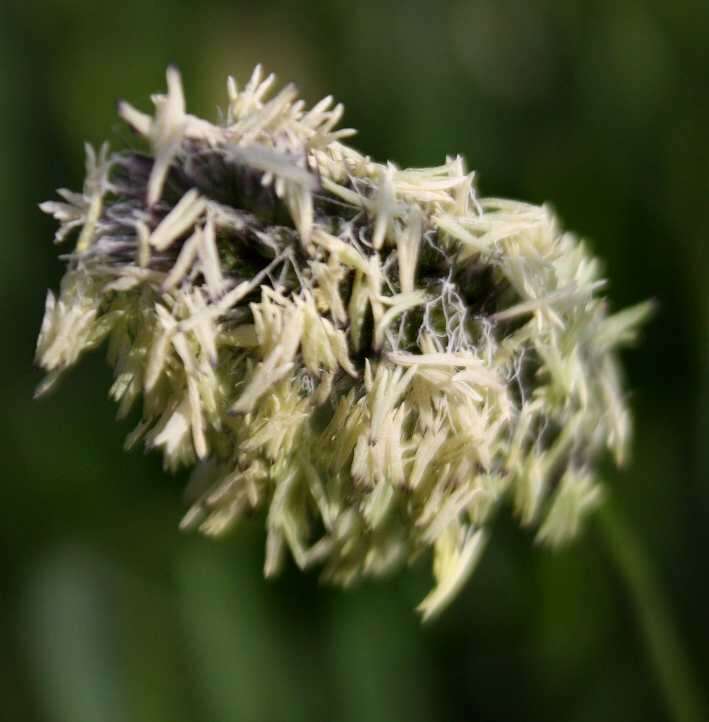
(668, 657)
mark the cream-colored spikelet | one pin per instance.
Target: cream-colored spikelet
(376, 357)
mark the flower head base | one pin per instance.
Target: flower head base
(375, 356)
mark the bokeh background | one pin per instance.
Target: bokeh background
(108, 613)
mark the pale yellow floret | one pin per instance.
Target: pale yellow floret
(180, 219)
(456, 553)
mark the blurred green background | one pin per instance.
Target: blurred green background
(108, 613)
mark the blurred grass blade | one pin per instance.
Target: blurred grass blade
(672, 666)
(67, 628)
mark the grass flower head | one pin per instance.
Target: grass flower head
(375, 356)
